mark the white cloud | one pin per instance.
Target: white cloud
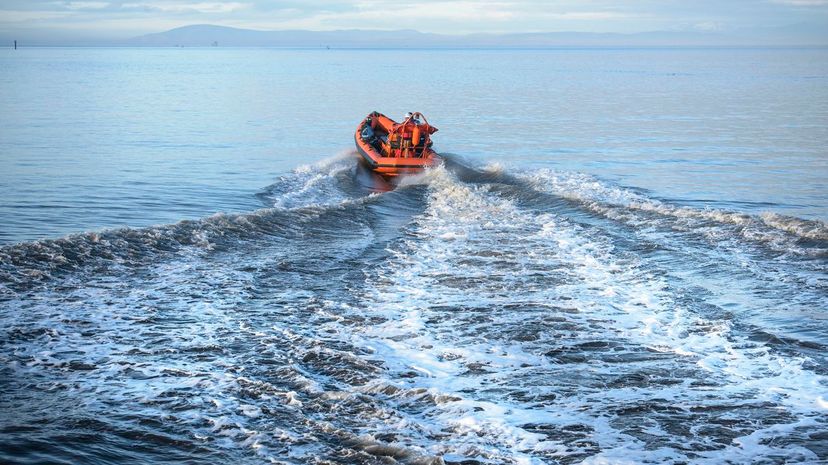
(451, 10)
(450, 17)
(590, 15)
(801, 2)
(202, 7)
(709, 26)
(440, 16)
(15, 16)
(83, 5)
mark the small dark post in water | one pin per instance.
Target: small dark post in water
(15, 45)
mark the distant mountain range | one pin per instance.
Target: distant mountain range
(209, 35)
(205, 35)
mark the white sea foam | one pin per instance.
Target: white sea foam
(623, 204)
(809, 229)
(733, 257)
(494, 332)
(474, 250)
(313, 184)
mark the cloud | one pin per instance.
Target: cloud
(445, 10)
(84, 5)
(22, 16)
(176, 7)
(708, 26)
(125, 18)
(802, 2)
(591, 15)
(458, 16)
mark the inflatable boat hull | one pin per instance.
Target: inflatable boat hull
(390, 149)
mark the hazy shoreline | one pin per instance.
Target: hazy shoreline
(205, 35)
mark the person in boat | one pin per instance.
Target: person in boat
(392, 142)
(368, 132)
(415, 119)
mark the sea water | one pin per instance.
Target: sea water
(622, 260)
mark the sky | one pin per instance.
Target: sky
(123, 19)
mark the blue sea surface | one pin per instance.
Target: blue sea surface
(623, 258)
(97, 138)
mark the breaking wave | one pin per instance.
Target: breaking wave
(626, 205)
(296, 199)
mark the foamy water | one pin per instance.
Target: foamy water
(471, 315)
(624, 259)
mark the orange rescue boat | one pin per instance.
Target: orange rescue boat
(392, 148)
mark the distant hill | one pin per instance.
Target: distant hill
(205, 35)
